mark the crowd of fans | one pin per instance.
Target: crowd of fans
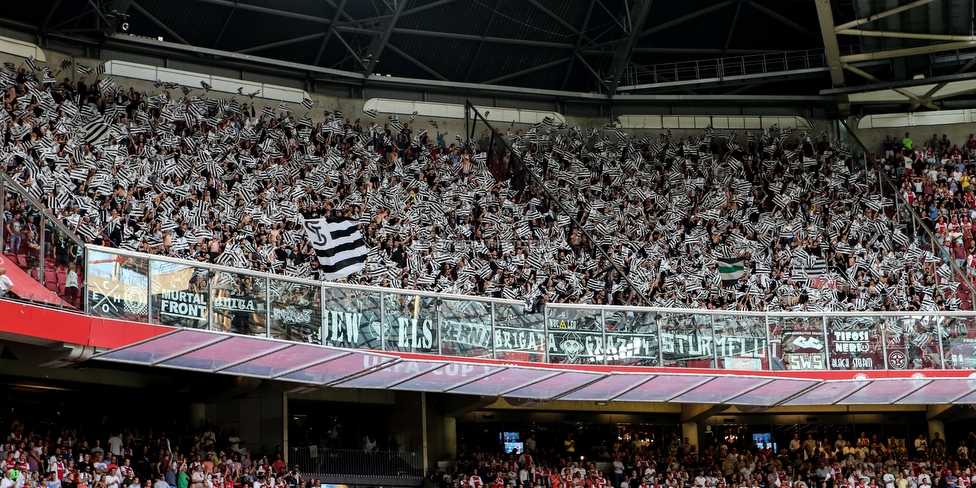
(211, 457)
(121, 458)
(640, 462)
(937, 179)
(215, 179)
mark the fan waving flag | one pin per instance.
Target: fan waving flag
(730, 271)
(338, 244)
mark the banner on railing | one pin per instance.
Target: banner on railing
(139, 288)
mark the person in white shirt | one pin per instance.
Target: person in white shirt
(5, 283)
(115, 445)
(112, 479)
(888, 478)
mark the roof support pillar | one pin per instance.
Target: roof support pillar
(825, 14)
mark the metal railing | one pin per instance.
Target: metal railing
(720, 68)
(319, 462)
(57, 245)
(161, 290)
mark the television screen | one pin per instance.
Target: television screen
(761, 439)
(512, 446)
(505, 437)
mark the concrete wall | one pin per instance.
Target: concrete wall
(258, 416)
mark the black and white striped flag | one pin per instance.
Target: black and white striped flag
(31, 64)
(338, 244)
(307, 103)
(371, 113)
(84, 70)
(65, 63)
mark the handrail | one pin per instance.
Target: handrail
(20, 190)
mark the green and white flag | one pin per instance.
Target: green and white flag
(730, 271)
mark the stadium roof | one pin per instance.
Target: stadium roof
(321, 366)
(609, 47)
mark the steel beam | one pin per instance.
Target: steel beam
(560, 20)
(223, 28)
(909, 51)
(405, 13)
(266, 11)
(420, 65)
(355, 55)
(329, 31)
(245, 58)
(376, 46)
(594, 73)
(735, 18)
(900, 84)
(470, 37)
(906, 35)
(825, 14)
(625, 48)
(528, 70)
(966, 67)
(880, 15)
(686, 18)
(916, 101)
(156, 21)
(50, 13)
(776, 15)
(100, 13)
(285, 42)
(579, 41)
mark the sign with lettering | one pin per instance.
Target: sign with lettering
(797, 343)
(854, 346)
(182, 305)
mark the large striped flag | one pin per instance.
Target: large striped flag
(730, 271)
(338, 244)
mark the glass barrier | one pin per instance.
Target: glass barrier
(296, 311)
(632, 338)
(797, 343)
(410, 322)
(575, 336)
(959, 343)
(118, 286)
(855, 343)
(740, 342)
(519, 336)
(912, 342)
(686, 340)
(143, 288)
(465, 328)
(351, 318)
(240, 303)
(179, 294)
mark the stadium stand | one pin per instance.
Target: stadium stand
(779, 221)
(104, 455)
